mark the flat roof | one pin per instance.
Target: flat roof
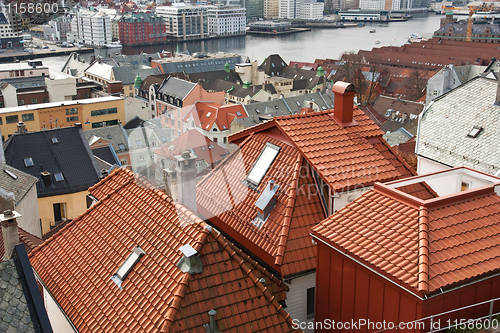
(18, 66)
(62, 103)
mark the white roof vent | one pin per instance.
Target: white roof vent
(190, 262)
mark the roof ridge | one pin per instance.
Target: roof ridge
(290, 204)
(48, 240)
(244, 265)
(423, 249)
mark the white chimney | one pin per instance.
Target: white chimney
(186, 179)
(9, 231)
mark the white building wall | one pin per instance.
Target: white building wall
(226, 20)
(296, 298)
(287, 9)
(28, 208)
(446, 184)
(372, 4)
(311, 10)
(91, 28)
(58, 321)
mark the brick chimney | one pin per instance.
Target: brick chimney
(9, 231)
(21, 127)
(344, 103)
(186, 179)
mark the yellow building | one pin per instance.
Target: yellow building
(91, 113)
(64, 165)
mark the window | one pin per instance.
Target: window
(59, 176)
(11, 119)
(54, 140)
(20, 102)
(139, 143)
(310, 303)
(71, 111)
(121, 146)
(103, 112)
(208, 114)
(465, 186)
(238, 113)
(123, 162)
(178, 113)
(34, 101)
(86, 95)
(28, 162)
(70, 119)
(224, 139)
(45, 99)
(263, 163)
(129, 263)
(0, 120)
(28, 117)
(141, 158)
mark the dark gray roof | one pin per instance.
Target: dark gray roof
(3, 19)
(134, 123)
(477, 29)
(70, 156)
(273, 65)
(176, 87)
(114, 134)
(207, 79)
(391, 126)
(127, 74)
(262, 111)
(19, 186)
(21, 305)
(106, 154)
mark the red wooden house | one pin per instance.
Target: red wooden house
(390, 256)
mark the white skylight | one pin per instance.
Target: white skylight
(474, 131)
(264, 161)
(129, 263)
(54, 140)
(208, 114)
(10, 174)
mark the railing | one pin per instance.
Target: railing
(487, 322)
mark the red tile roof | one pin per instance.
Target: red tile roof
(203, 147)
(381, 229)
(345, 157)
(206, 114)
(77, 263)
(283, 241)
(30, 241)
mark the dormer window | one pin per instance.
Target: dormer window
(127, 266)
(263, 163)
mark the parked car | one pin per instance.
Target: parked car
(45, 47)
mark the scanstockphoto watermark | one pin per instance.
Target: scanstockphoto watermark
(359, 324)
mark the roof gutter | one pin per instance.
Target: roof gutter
(367, 267)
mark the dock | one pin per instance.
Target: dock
(277, 33)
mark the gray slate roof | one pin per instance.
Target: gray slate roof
(115, 134)
(445, 125)
(70, 156)
(259, 112)
(202, 65)
(19, 186)
(21, 305)
(176, 87)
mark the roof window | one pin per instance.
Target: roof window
(266, 203)
(54, 140)
(203, 148)
(10, 174)
(28, 162)
(238, 113)
(59, 177)
(475, 131)
(257, 110)
(121, 146)
(109, 136)
(208, 114)
(139, 143)
(163, 139)
(127, 266)
(263, 163)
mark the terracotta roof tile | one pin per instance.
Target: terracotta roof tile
(382, 230)
(206, 114)
(76, 265)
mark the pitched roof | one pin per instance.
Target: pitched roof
(21, 305)
(70, 155)
(114, 134)
(106, 154)
(207, 114)
(289, 222)
(173, 86)
(19, 186)
(193, 140)
(445, 126)
(383, 103)
(156, 295)
(381, 228)
(207, 79)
